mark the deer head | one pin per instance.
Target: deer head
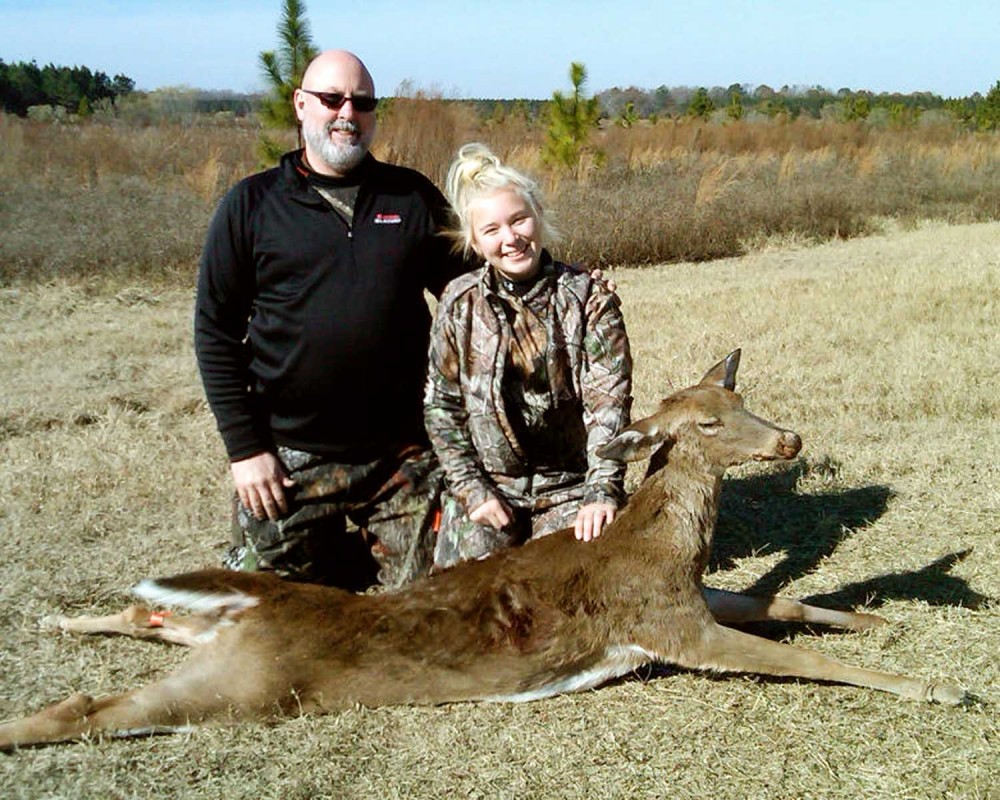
(705, 421)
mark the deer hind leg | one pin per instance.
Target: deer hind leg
(79, 716)
(728, 650)
(734, 608)
(139, 622)
(200, 690)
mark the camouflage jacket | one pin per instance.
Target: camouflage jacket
(490, 442)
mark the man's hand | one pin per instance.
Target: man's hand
(493, 512)
(591, 519)
(598, 275)
(261, 482)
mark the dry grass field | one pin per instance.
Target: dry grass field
(881, 352)
(132, 203)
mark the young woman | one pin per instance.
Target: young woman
(530, 372)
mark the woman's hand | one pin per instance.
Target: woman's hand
(591, 519)
(261, 482)
(493, 512)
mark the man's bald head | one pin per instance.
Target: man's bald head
(337, 66)
(337, 137)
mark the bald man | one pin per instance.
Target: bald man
(311, 333)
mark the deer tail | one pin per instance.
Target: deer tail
(212, 591)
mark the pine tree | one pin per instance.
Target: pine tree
(701, 104)
(988, 111)
(283, 69)
(571, 120)
(628, 116)
(735, 108)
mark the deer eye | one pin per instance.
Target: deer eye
(710, 426)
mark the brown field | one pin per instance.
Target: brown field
(102, 201)
(880, 351)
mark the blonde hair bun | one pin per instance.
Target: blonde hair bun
(476, 172)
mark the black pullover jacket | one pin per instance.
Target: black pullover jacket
(313, 333)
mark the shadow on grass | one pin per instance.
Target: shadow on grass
(933, 585)
(763, 515)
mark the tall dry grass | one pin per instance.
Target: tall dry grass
(880, 352)
(98, 199)
(696, 191)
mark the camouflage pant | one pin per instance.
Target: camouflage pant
(461, 539)
(393, 501)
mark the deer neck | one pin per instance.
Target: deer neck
(679, 503)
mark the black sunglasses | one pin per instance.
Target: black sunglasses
(334, 100)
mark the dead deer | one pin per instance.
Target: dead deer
(553, 616)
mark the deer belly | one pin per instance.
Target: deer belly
(618, 660)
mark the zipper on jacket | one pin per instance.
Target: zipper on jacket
(339, 208)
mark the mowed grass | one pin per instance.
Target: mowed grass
(881, 352)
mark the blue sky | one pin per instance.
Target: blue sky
(523, 48)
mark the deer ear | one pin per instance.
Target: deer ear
(724, 373)
(636, 442)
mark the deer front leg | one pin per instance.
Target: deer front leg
(729, 650)
(140, 622)
(734, 608)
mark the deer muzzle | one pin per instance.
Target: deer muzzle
(789, 444)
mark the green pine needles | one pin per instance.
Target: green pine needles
(571, 119)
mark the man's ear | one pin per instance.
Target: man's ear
(298, 103)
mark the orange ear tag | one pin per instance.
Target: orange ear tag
(156, 618)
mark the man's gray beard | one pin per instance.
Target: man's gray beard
(339, 156)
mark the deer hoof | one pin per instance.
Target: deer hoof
(947, 694)
(52, 622)
(868, 621)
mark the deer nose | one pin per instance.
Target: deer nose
(789, 444)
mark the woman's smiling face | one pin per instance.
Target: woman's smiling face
(506, 233)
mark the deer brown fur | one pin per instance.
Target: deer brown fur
(555, 615)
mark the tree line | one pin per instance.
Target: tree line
(79, 90)
(738, 101)
(741, 101)
(76, 89)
